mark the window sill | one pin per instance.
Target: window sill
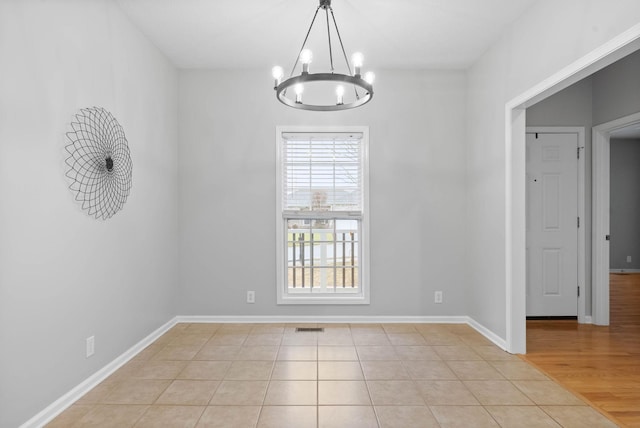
(341, 299)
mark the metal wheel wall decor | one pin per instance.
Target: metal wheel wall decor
(99, 162)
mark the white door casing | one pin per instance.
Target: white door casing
(601, 206)
(552, 224)
(514, 151)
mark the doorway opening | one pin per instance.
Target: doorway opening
(602, 135)
(515, 180)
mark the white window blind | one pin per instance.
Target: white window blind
(322, 172)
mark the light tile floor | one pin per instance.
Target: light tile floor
(349, 376)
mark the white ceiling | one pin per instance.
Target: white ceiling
(407, 34)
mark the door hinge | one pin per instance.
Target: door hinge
(578, 221)
(578, 152)
(578, 291)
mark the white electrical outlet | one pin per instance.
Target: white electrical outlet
(251, 296)
(91, 346)
(628, 259)
(437, 298)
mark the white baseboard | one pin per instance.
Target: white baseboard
(61, 404)
(624, 270)
(588, 319)
(329, 319)
(497, 340)
(58, 406)
(494, 338)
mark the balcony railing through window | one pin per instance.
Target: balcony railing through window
(323, 255)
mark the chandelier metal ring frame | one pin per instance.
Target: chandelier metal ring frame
(354, 78)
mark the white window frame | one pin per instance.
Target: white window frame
(362, 297)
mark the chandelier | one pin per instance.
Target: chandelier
(362, 85)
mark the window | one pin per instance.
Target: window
(322, 218)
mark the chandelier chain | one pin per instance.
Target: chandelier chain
(305, 41)
(329, 38)
(346, 59)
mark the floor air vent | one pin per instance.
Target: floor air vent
(309, 329)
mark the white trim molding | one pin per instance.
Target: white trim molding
(352, 319)
(62, 403)
(601, 221)
(515, 123)
(362, 296)
(624, 270)
(323, 319)
(497, 340)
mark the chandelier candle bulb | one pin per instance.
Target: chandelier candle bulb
(340, 94)
(305, 58)
(369, 77)
(299, 89)
(357, 59)
(277, 73)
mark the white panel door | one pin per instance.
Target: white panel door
(552, 224)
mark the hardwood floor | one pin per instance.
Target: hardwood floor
(600, 363)
(624, 299)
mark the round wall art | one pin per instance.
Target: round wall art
(99, 162)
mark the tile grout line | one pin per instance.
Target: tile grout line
(274, 361)
(375, 412)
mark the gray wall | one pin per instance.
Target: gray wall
(65, 276)
(616, 90)
(227, 193)
(625, 204)
(569, 107)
